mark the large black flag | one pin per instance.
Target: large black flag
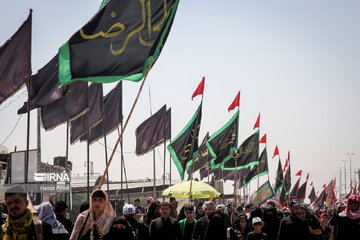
(302, 192)
(113, 115)
(230, 174)
(205, 171)
(312, 195)
(95, 105)
(223, 143)
(55, 113)
(184, 147)
(153, 131)
(279, 180)
(264, 192)
(119, 42)
(15, 60)
(257, 171)
(295, 189)
(246, 155)
(203, 156)
(45, 86)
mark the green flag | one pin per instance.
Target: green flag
(246, 155)
(255, 170)
(264, 192)
(223, 143)
(184, 147)
(118, 43)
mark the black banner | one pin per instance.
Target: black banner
(302, 191)
(295, 189)
(312, 195)
(153, 131)
(15, 60)
(119, 42)
(279, 180)
(223, 143)
(256, 170)
(246, 155)
(184, 147)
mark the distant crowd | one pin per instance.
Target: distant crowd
(97, 220)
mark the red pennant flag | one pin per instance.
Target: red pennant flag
(324, 186)
(200, 89)
(311, 184)
(286, 163)
(299, 173)
(307, 177)
(276, 152)
(289, 156)
(257, 124)
(263, 139)
(235, 103)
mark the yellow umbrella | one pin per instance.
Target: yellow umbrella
(198, 190)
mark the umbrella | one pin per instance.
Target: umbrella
(199, 190)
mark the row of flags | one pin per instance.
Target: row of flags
(121, 42)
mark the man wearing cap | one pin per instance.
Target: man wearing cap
(257, 234)
(60, 212)
(139, 230)
(20, 223)
(293, 227)
(165, 227)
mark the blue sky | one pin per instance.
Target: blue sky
(295, 62)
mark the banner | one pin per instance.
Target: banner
(184, 147)
(264, 193)
(223, 143)
(118, 43)
(258, 170)
(246, 155)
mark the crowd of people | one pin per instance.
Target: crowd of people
(161, 221)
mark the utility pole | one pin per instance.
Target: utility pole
(340, 190)
(350, 154)
(345, 174)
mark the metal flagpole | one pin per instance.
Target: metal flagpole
(105, 142)
(26, 168)
(88, 151)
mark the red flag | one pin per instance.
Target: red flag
(276, 152)
(286, 163)
(307, 177)
(263, 139)
(311, 184)
(200, 89)
(257, 124)
(289, 156)
(235, 103)
(324, 186)
(299, 173)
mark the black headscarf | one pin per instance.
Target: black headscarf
(216, 229)
(117, 233)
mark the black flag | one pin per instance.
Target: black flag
(119, 42)
(283, 197)
(184, 147)
(302, 192)
(153, 131)
(246, 155)
(255, 170)
(95, 105)
(264, 193)
(113, 115)
(45, 86)
(321, 199)
(312, 195)
(287, 180)
(55, 113)
(15, 60)
(223, 143)
(295, 189)
(203, 156)
(279, 180)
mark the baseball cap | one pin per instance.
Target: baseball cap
(129, 209)
(294, 203)
(256, 220)
(221, 207)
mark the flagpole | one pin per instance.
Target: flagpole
(88, 149)
(123, 166)
(235, 179)
(104, 132)
(27, 134)
(127, 121)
